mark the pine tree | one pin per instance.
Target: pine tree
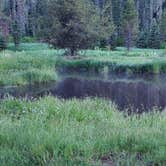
(4, 31)
(75, 25)
(129, 23)
(3, 42)
(16, 11)
(142, 41)
(105, 22)
(163, 26)
(117, 10)
(154, 38)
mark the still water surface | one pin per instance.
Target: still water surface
(137, 93)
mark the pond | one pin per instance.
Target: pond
(132, 92)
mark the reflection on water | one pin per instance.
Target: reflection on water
(140, 93)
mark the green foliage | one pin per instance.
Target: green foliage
(3, 42)
(35, 63)
(163, 45)
(106, 26)
(28, 39)
(129, 23)
(163, 26)
(154, 38)
(78, 132)
(76, 25)
(16, 33)
(142, 41)
(137, 61)
(113, 41)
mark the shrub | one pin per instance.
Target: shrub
(3, 42)
(163, 45)
(142, 40)
(28, 39)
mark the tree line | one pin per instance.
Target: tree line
(80, 24)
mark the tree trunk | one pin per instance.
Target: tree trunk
(128, 39)
(72, 52)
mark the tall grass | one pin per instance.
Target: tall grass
(57, 132)
(137, 61)
(34, 63)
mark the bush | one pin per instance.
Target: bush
(163, 45)
(3, 42)
(28, 39)
(142, 41)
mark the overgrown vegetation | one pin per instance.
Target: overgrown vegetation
(74, 132)
(119, 61)
(3, 42)
(50, 131)
(35, 63)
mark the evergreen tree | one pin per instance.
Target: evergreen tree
(163, 26)
(142, 41)
(16, 12)
(4, 31)
(117, 11)
(3, 42)
(113, 41)
(154, 38)
(75, 25)
(105, 22)
(129, 23)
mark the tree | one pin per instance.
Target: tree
(154, 38)
(142, 41)
(75, 25)
(129, 23)
(113, 41)
(117, 11)
(163, 26)
(4, 31)
(106, 23)
(16, 12)
(3, 42)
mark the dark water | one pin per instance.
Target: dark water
(137, 93)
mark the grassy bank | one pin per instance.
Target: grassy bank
(33, 63)
(120, 61)
(52, 131)
(36, 62)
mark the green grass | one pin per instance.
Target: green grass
(74, 132)
(136, 61)
(34, 63)
(52, 132)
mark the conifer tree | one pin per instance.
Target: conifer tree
(154, 38)
(142, 40)
(106, 23)
(16, 12)
(129, 23)
(4, 31)
(75, 25)
(163, 26)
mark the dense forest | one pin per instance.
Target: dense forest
(20, 18)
